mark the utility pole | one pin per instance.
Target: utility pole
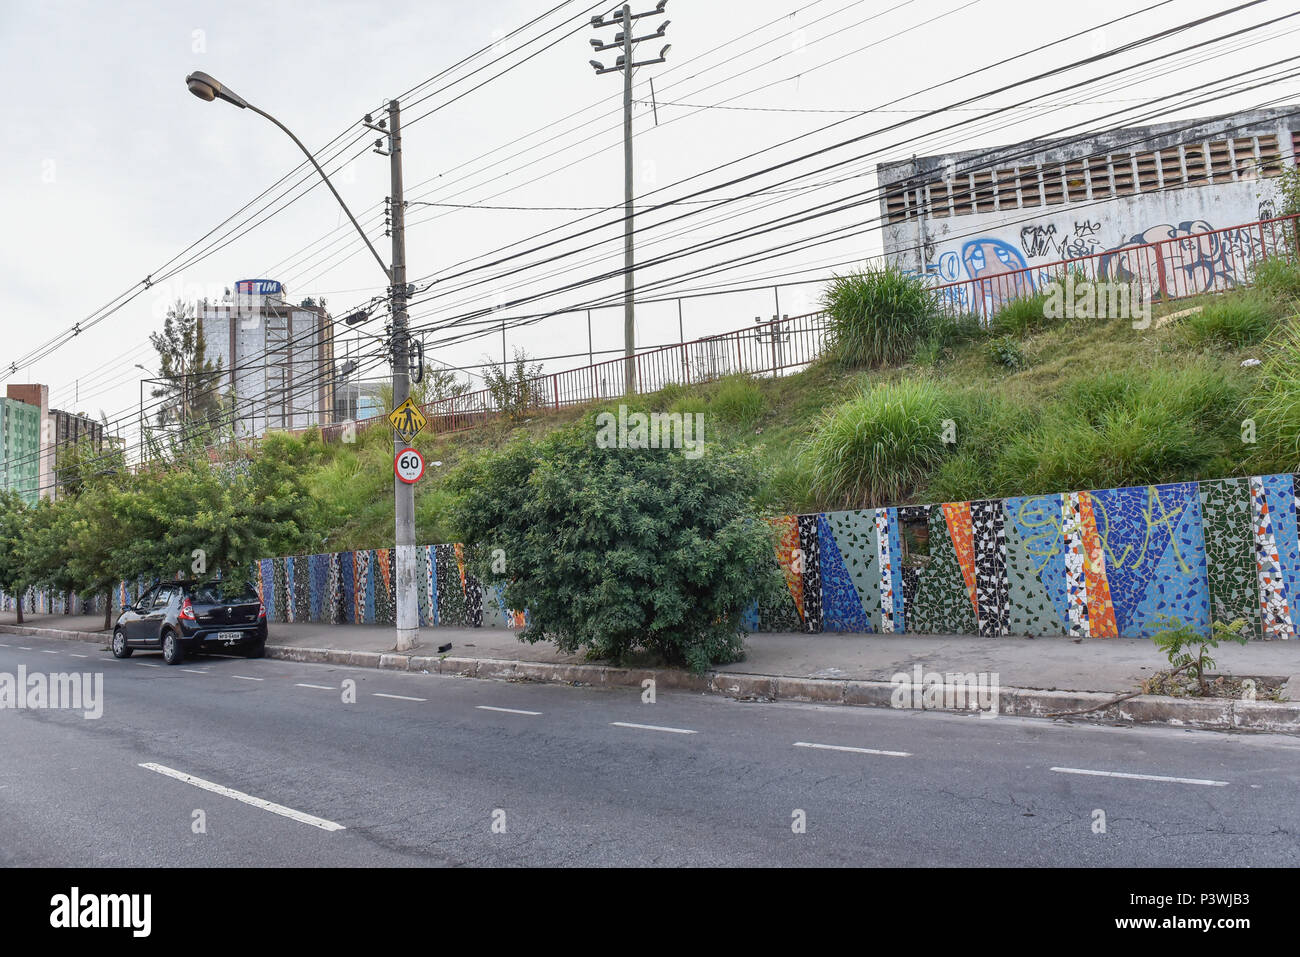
(626, 65)
(408, 606)
(207, 88)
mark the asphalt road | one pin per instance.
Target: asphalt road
(423, 770)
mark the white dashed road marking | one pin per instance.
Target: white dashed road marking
(484, 707)
(317, 687)
(652, 727)
(396, 697)
(44, 652)
(842, 747)
(145, 664)
(81, 656)
(193, 672)
(246, 678)
(1143, 777)
(280, 809)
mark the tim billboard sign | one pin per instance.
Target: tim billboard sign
(258, 287)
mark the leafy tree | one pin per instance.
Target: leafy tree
(14, 576)
(190, 390)
(514, 390)
(616, 549)
(438, 384)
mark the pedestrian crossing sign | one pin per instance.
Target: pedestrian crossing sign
(407, 420)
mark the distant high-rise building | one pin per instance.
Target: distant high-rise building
(277, 359)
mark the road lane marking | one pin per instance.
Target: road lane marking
(81, 656)
(484, 707)
(652, 727)
(280, 809)
(246, 678)
(145, 664)
(4, 646)
(23, 648)
(843, 747)
(44, 652)
(396, 697)
(1143, 777)
(317, 687)
(193, 672)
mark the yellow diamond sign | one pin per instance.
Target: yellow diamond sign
(408, 420)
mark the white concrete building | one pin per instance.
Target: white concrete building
(277, 358)
(981, 213)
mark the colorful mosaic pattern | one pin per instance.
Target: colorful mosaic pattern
(1090, 564)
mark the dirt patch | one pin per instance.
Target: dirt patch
(1184, 685)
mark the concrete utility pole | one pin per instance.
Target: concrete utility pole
(625, 64)
(408, 606)
(207, 88)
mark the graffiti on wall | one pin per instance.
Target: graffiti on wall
(1094, 564)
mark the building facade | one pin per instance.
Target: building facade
(982, 213)
(20, 446)
(277, 358)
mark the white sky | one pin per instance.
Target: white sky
(111, 167)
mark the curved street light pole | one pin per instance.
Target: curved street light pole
(207, 88)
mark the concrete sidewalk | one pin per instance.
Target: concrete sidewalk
(1110, 666)
(1035, 677)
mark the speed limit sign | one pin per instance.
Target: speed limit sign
(409, 466)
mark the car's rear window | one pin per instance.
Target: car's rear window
(227, 595)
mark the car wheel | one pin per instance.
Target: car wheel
(257, 649)
(120, 650)
(173, 651)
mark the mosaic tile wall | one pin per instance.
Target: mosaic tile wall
(360, 588)
(1101, 564)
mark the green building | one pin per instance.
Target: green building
(20, 448)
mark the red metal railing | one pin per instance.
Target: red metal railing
(1186, 263)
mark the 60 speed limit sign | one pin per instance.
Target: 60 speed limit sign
(409, 466)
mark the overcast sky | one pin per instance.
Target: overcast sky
(111, 167)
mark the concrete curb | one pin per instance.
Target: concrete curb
(1213, 714)
(1216, 714)
(93, 637)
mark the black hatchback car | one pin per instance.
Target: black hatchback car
(185, 616)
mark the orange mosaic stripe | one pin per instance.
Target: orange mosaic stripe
(460, 564)
(962, 533)
(381, 559)
(1101, 611)
(787, 554)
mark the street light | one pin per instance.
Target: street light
(207, 88)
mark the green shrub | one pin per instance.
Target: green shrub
(1235, 319)
(1189, 650)
(615, 550)
(1275, 404)
(737, 400)
(877, 447)
(1125, 428)
(1021, 317)
(877, 316)
(1279, 277)
(1005, 351)
(945, 335)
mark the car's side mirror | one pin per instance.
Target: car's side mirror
(126, 606)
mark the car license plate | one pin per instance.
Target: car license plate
(230, 637)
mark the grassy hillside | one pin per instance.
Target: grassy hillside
(1034, 406)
